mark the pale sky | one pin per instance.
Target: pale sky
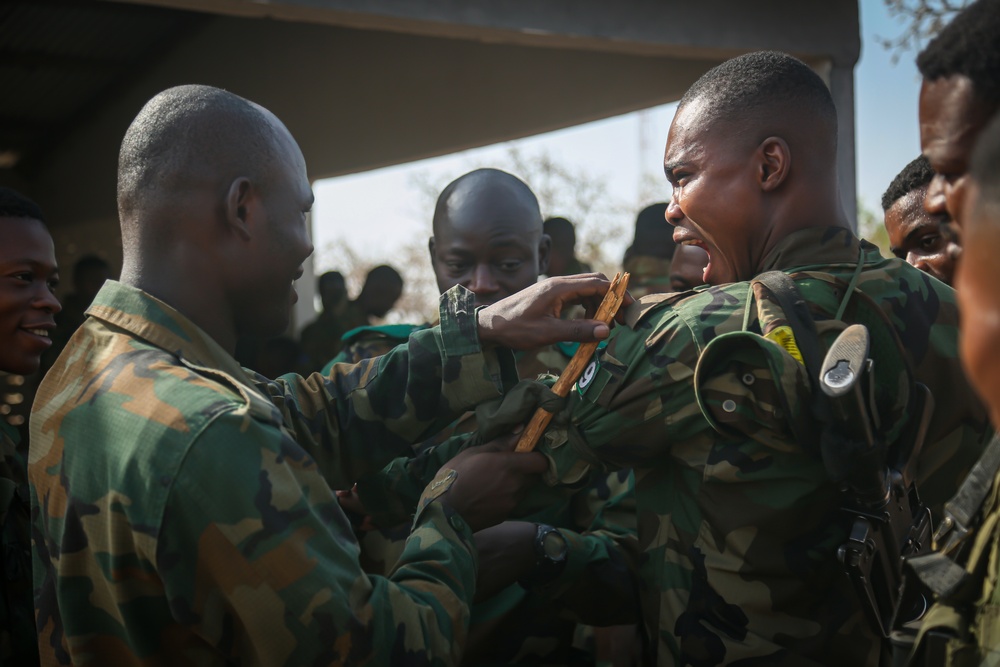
(382, 209)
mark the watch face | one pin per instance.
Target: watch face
(554, 545)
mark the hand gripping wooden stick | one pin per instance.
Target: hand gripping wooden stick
(605, 313)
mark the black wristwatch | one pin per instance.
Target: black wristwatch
(551, 550)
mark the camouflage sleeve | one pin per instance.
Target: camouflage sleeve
(365, 348)
(359, 417)
(599, 585)
(639, 400)
(390, 495)
(255, 553)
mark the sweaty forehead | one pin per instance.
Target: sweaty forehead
(690, 132)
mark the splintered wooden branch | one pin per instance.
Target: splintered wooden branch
(605, 313)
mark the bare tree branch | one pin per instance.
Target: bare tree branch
(922, 20)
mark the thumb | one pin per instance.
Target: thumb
(583, 331)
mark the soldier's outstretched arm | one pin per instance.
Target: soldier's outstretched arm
(359, 417)
(634, 404)
(255, 552)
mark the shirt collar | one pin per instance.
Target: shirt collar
(819, 247)
(157, 323)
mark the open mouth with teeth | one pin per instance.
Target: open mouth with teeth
(39, 332)
(698, 243)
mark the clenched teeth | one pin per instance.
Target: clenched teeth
(38, 332)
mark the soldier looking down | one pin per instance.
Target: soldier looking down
(182, 507)
(488, 238)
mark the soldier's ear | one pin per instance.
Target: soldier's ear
(544, 248)
(242, 207)
(430, 248)
(774, 160)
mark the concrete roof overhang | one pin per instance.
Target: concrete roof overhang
(368, 83)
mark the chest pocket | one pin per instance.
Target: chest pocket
(748, 385)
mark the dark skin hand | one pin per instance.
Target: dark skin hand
(531, 318)
(506, 553)
(491, 481)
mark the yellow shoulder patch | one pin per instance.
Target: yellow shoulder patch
(784, 337)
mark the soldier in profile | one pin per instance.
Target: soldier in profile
(562, 255)
(182, 506)
(959, 94)
(649, 257)
(740, 521)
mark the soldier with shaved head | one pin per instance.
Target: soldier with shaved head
(488, 238)
(182, 506)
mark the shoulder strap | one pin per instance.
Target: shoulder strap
(796, 311)
(966, 503)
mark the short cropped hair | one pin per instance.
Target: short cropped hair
(15, 205)
(985, 163)
(756, 84)
(969, 46)
(915, 175)
(183, 128)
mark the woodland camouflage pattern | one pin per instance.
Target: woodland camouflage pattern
(598, 521)
(647, 275)
(739, 531)
(18, 645)
(183, 511)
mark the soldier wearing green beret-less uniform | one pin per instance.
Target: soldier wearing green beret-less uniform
(182, 506)
(488, 237)
(739, 520)
(960, 137)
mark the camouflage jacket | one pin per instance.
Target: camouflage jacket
(518, 626)
(182, 512)
(739, 533)
(18, 646)
(649, 275)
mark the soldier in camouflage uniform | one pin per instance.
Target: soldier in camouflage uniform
(687, 269)
(182, 508)
(959, 95)
(488, 238)
(738, 519)
(649, 257)
(28, 275)
(925, 241)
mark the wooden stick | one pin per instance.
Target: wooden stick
(605, 313)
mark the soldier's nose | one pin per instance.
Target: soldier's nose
(482, 280)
